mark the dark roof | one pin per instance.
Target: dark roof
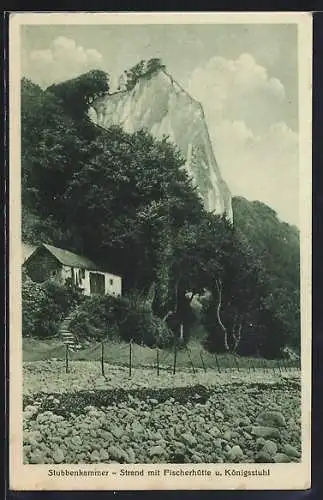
(27, 249)
(70, 259)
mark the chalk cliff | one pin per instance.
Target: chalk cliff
(159, 104)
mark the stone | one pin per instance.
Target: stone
(263, 457)
(235, 453)
(218, 443)
(281, 458)
(116, 431)
(271, 419)
(265, 432)
(227, 435)
(260, 441)
(58, 456)
(189, 438)
(131, 456)
(218, 414)
(107, 436)
(270, 447)
(137, 427)
(157, 451)
(76, 440)
(214, 432)
(117, 454)
(178, 445)
(291, 451)
(95, 456)
(37, 457)
(157, 436)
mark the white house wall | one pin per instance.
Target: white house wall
(112, 282)
(85, 283)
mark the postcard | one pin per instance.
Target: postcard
(160, 250)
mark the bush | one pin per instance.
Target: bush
(96, 318)
(125, 318)
(44, 306)
(145, 328)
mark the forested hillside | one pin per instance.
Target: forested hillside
(125, 201)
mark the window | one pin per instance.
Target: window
(111, 281)
(82, 274)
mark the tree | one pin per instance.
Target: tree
(126, 199)
(131, 76)
(52, 149)
(154, 64)
(79, 93)
(276, 245)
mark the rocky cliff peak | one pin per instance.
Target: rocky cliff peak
(160, 105)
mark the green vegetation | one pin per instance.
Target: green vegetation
(44, 306)
(146, 69)
(126, 202)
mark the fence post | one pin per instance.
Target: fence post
(190, 358)
(274, 371)
(280, 368)
(217, 363)
(157, 355)
(102, 358)
(175, 357)
(130, 357)
(66, 359)
(203, 364)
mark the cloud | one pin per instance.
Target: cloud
(260, 167)
(256, 149)
(64, 59)
(238, 89)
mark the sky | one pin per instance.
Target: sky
(245, 76)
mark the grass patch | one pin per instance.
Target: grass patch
(118, 353)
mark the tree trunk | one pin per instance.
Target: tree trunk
(166, 316)
(237, 337)
(218, 311)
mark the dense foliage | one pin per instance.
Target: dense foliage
(44, 306)
(113, 318)
(130, 77)
(79, 93)
(125, 201)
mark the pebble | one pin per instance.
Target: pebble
(235, 453)
(262, 431)
(291, 451)
(270, 447)
(271, 419)
(156, 451)
(136, 431)
(281, 458)
(58, 456)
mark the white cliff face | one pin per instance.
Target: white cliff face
(158, 104)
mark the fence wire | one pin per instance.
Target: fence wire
(177, 358)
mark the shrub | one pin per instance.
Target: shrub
(125, 318)
(143, 327)
(44, 306)
(95, 318)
